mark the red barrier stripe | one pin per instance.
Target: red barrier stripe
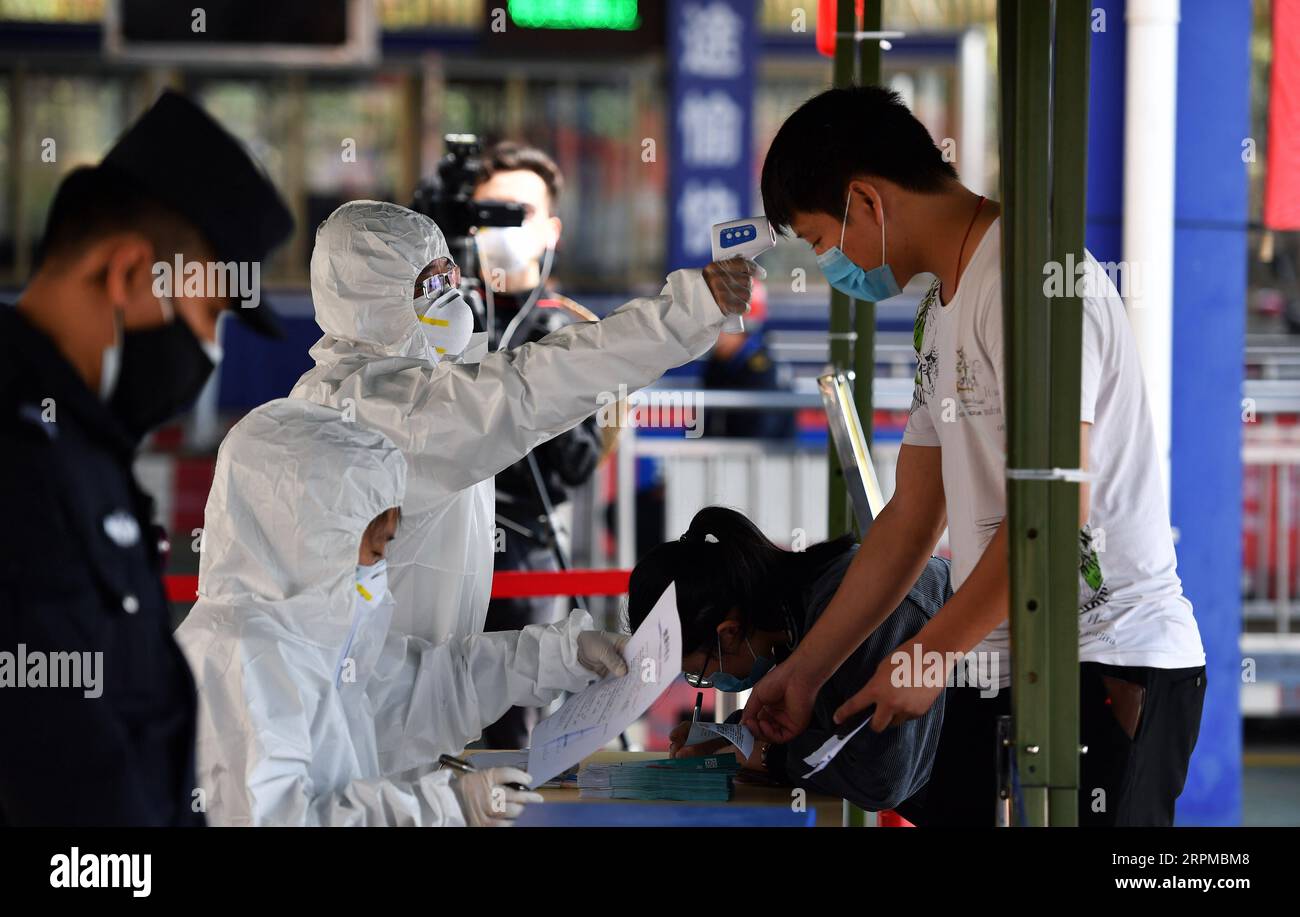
(891, 819)
(515, 584)
(181, 588)
(510, 585)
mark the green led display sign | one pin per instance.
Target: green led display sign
(614, 15)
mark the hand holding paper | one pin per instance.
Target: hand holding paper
(733, 733)
(835, 744)
(597, 715)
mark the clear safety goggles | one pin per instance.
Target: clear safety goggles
(445, 276)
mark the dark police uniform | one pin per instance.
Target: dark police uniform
(80, 572)
(749, 369)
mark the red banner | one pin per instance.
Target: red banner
(1282, 179)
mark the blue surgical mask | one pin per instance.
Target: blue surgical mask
(732, 684)
(842, 274)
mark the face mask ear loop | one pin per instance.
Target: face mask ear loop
(844, 223)
(751, 649)
(108, 373)
(882, 236)
(547, 260)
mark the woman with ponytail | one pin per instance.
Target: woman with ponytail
(745, 603)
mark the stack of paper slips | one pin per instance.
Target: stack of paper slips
(704, 778)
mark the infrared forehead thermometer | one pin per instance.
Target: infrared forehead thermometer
(748, 237)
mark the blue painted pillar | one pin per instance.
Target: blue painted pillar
(1209, 350)
(1209, 340)
(1106, 132)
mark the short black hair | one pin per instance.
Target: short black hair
(508, 156)
(724, 561)
(93, 201)
(841, 134)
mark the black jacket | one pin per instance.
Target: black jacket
(80, 572)
(565, 461)
(876, 770)
(750, 369)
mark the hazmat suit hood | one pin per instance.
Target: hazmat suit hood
(459, 424)
(285, 517)
(363, 270)
(312, 711)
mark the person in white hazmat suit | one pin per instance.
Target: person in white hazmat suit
(311, 711)
(458, 425)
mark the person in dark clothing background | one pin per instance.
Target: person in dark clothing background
(91, 359)
(514, 261)
(745, 604)
(740, 362)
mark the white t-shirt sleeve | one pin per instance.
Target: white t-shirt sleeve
(1093, 347)
(988, 327)
(920, 429)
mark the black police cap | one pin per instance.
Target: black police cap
(181, 156)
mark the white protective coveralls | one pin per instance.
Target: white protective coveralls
(458, 425)
(284, 738)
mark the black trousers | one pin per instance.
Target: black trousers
(1139, 725)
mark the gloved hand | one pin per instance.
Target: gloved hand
(487, 802)
(602, 652)
(732, 283)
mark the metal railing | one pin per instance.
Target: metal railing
(782, 485)
(1271, 456)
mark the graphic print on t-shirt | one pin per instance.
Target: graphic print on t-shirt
(1093, 593)
(976, 397)
(977, 392)
(927, 356)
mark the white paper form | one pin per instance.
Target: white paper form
(737, 735)
(829, 749)
(595, 716)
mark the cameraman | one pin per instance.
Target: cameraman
(514, 262)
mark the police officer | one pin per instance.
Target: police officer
(525, 310)
(740, 362)
(97, 705)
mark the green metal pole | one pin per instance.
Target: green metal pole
(864, 318)
(845, 318)
(839, 517)
(1069, 185)
(1043, 141)
(1024, 49)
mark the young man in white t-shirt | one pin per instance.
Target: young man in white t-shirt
(854, 173)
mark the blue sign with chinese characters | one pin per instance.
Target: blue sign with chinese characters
(712, 53)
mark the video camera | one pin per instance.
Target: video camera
(447, 198)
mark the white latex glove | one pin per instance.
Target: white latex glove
(732, 283)
(602, 652)
(487, 802)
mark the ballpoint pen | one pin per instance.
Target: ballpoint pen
(462, 766)
(695, 716)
